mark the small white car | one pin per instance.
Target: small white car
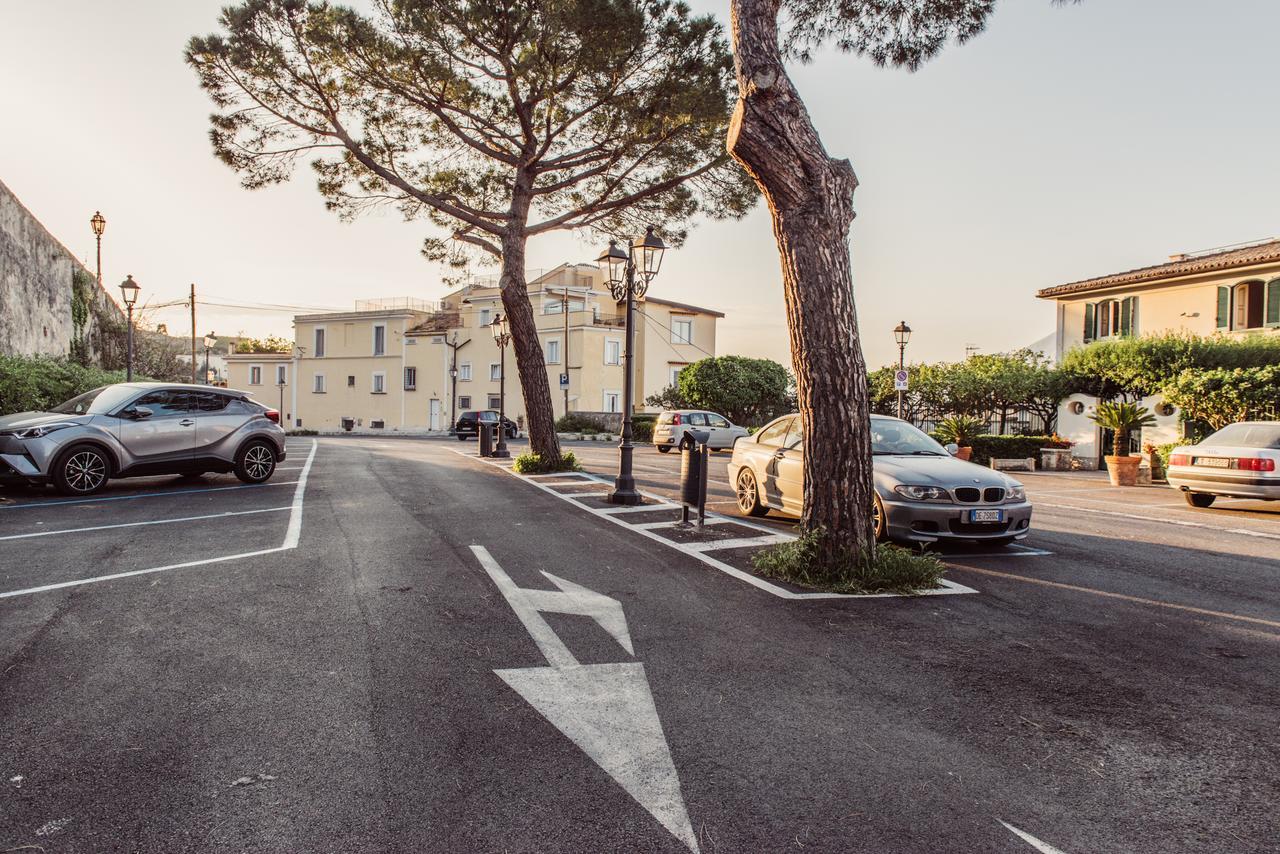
(1239, 461)
(670, 430)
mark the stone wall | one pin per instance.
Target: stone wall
(37, 292)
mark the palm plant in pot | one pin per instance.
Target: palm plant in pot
(1123, 418)
(960, 430)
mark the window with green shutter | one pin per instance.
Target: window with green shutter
(1224, 308)
(1128, 316)
(1089, 319)
(1273, 302)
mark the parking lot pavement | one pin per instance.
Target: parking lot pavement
(452, 659)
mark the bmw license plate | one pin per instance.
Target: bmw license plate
(1214, 462)
(995, 516)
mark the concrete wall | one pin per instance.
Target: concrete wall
(1087, 436)
(36, 274)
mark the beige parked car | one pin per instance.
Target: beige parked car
(923, 493)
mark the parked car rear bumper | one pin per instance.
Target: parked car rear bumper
(1213, 483)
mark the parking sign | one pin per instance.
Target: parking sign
(900, 380)
(564, 380)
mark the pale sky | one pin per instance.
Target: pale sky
(1065, 142)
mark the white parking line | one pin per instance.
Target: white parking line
(291, 538)
(139, 524)
(1179, 522)
(60, 503)
(1042, 847)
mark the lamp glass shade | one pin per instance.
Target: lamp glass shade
(98, 223)
(613, 264)
(647, 253)
(497, 326)
(129, 291)
(209, 341)
(902, 334)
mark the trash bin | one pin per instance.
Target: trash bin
(348, 424)
(693, 473)
(485, 435)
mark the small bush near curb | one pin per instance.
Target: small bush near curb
(531, 463)
(577, 423)
(892, 570)
(642, 428)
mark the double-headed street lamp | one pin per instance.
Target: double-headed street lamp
(99, 224)
(628, 275)
(501, 337)
(209, 342)
(901, 334)
(129, 293)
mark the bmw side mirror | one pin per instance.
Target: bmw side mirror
(952, 448)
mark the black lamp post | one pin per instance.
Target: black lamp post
(99, 224)
(209, 342)
(628, 276)
(901, 334)
(502, 337)
(129, 293)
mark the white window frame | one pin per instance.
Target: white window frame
(376, 327)
(464, 372)
(484, 316)
(320, 340)
(674, 373)
(317, 384)
(616, 342)
(553, 360)
(676, 338)
(282, 374)
(410, 371)
(255, 370)
(494, 401)
(378, 382)
(604, 400)
(464, 401)
(495, 372)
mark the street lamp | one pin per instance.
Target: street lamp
(209, 342)
(901, 334)
(501, 337)
(620, 271)
(99, 224)
(129, 293)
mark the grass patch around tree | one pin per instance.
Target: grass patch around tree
(893, 569)
(531, 463)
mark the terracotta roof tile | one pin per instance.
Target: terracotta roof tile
(1259, 253)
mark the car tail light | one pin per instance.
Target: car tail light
(675, 419)
(1255, 464)
(273, 415)
(1179, 460)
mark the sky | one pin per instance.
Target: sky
(1063, 143)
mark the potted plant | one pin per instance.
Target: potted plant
(1123, 419)
(960, 430)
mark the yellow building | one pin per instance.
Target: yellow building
(412, 365)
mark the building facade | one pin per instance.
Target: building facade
(1233, 291)
(412, 365)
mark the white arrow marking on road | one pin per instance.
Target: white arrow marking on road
(607, 710)
(1042, 847)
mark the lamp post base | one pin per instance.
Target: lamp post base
(624, 493)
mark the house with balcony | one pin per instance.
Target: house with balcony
(1233, 290)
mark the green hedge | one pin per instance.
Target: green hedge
(35, 383)
(577, 423)
(988, 447)
(642, 427)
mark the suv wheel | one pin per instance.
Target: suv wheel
(256, 462)
(82, 470)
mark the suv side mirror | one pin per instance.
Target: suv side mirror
(138, 412)
(952, 448)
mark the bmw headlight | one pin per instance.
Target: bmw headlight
(1015, 493)
(42, 430)
(922, 493)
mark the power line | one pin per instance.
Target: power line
(665, 340)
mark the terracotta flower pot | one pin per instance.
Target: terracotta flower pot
(964, 453)
(1123, 470)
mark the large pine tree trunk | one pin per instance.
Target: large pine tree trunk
(810, 198)
(538, 408)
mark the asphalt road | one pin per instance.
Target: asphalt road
(401, 648)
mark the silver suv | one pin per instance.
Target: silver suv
(136, 429)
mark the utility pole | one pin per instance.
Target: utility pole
(193, 340)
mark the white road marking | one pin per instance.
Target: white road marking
(60, 503)
(607, 710)
(945, 586)
(140, 524)
(1179, 522)
(1042, 847)
(290, 542)
(678, 525)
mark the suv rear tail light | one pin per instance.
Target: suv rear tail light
(1179, 460)
(272, 415)
(1255, 464)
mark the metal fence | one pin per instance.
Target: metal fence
(1016, 422)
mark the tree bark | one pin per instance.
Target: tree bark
(810, 199)
(530, 363)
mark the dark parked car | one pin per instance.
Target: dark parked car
(468, 425)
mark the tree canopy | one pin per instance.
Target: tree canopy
(1145, 365)
(745, 390)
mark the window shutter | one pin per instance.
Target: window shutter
(1224, 308)
(1273, 302)
(1089, 310)
(1126, 317)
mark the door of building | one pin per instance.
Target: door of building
(437, 415)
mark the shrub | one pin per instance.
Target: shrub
(35, 383)
(987, 447)
(893, 569)
(960, 429)
(576, 422)
(642, 427)
(1124, 418)
(531, 463)
(1163, 451)
(1225, 395)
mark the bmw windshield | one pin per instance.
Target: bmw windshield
(101, 400)
(892, 438)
